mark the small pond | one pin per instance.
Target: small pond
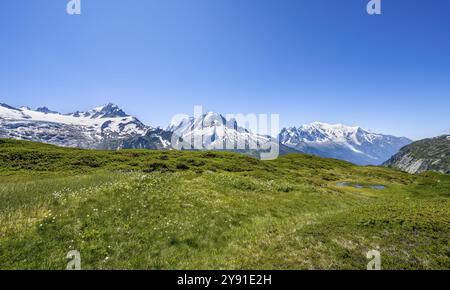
(360, 186)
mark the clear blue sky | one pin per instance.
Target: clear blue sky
(307, 60)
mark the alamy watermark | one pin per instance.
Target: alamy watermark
(375, 260)
(74, 7)
(374, 7)
(75, 260)
(238, 132)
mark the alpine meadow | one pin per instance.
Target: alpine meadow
(225, 143)
(141, 209)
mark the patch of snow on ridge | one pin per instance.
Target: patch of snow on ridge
(7, 112)
(114, 123)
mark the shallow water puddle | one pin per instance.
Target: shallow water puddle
(360, 186)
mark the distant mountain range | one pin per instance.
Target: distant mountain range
(109, 127)
(211, 131)
(424, 155)
(90, 129)
(338, 141)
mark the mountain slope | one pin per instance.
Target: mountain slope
(424, 155)
(352, 144)
(212, 131)
(96, 128)
(153, 139)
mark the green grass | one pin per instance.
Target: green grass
(213, 210)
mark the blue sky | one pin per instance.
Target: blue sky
(308, 60)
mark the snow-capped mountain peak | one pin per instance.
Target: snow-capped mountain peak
(213, 131)
(323, 132)
(87, 130)
(108, 111)
(351, 143)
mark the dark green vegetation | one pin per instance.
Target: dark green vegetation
(214, 210)
(424, 155)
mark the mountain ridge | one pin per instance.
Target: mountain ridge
(350, 143)
(109, 127)
(80, 129)
(432, 154)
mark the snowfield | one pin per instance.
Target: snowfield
(81, 129)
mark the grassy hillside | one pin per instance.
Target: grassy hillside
(214, 210)
(424, 155)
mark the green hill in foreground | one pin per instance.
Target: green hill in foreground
(214, 210)
(424, 155)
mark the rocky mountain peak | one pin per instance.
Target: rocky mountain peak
(45, 110)
(351, 143)
(108, 111)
